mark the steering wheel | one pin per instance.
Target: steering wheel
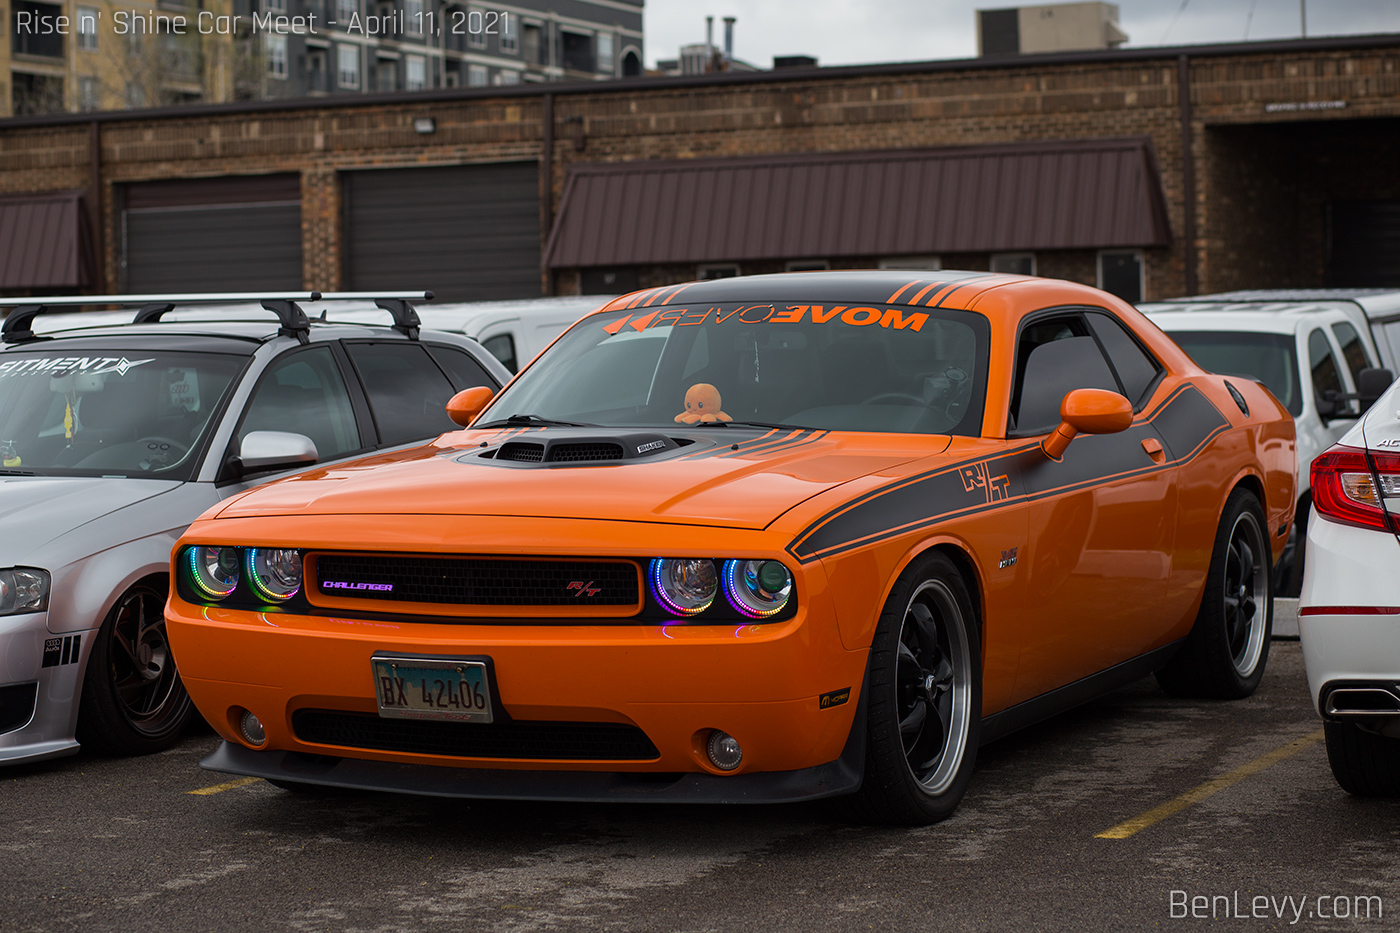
(887, 398)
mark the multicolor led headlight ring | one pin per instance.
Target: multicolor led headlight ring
(214, 571)
(275, 572)
(686, 585)
(757, 588)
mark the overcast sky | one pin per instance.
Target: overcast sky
(856, 32)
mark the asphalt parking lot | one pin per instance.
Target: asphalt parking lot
(1131, 813)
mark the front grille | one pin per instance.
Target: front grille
(576, 452)
(529, 453)
(579, 741)
(474, 581)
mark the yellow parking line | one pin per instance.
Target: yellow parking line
(220, 788)
(1210, 788)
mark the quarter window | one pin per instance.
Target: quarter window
(466, 372)
(1055, 357)
(1136, 369)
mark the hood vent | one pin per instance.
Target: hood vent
(579, 449)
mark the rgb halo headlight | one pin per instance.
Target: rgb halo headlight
(214, 571)
(275, 572)
(686, 585)
(757, 588)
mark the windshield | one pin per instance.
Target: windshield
(1270, 358)
(108, 413)
(818, 366)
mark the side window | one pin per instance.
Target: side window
(303, 393)
(1325, 373)
(1353, 350)
(1053, 358)
(502, 347)
(407, 392)
(465, 372)
(1137, 370)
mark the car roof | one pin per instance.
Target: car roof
(1376, 303)
(1271, 318)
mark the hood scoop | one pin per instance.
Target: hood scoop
(576, 449)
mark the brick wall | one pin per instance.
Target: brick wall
(836, 110)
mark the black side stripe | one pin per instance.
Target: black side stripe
(1019, 475)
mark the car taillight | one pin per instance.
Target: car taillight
(1344, 488)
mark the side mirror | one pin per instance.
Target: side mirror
(275, 450)
(1088, 411)
(1371, 384)
(463, 407)
(1327, 404)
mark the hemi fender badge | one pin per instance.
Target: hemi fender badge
(1008, 559)
(837, 698)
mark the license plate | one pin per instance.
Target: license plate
(432, 688)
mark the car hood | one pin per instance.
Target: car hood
(706, 484)
(34, 510)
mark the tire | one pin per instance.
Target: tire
(133, 702)
(1225, 653)
(924, 700)
(1365, 764)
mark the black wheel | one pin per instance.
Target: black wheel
(133, 702)
(924, 706)
(1364, 763)
(1225, 653)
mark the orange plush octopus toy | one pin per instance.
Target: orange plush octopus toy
(702, 403)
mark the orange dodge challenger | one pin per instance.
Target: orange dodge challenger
(758, 539)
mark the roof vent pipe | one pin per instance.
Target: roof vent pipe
(729, 37)
(709, 39)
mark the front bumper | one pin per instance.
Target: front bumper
(49, 668)
(761, 683)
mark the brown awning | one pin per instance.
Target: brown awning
(45, 241)
(1034, 196)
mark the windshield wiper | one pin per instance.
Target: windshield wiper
(522, 420)
(749, 424)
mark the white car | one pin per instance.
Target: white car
(1320, 351)
(1349, 611)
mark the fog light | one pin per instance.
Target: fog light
(724, 751)
(252, 728)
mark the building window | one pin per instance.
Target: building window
(506, 76)
(912, 263)
(1014, 263)
(725, 270)
(510, 33)
(275, 48)
(605, 52)
(476, 29)
(87, 28)
(386, 75)
(476, 76)
(345, 11)
(347, 59)
(415, 73)
(413, 17)
(87, 93)
(274, 6)
(135, 95)
(578, 51)
(532, 47)
(806, 265)
(1120, 273)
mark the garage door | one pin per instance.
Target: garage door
(218, 234)
(465, 232)
(1364, 244)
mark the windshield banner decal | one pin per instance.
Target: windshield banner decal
(896, 318)
(68, 365)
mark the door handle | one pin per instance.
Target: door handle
(1154, 449)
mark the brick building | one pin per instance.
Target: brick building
(1272, 164)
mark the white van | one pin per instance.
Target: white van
(1349, 340)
